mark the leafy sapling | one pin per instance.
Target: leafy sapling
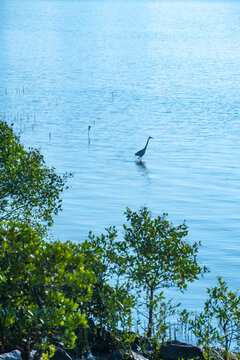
(156, 255)
(218, 323)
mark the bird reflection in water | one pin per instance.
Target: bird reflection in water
(142, 167)
(141, 164)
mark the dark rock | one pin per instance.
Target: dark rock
(102, 356)
(117, 355)
(13, 355)
(103, 343)
(174, 350)
(142, 344)
(60, 354)
(100, 347)
(126, 355)
(135, 356)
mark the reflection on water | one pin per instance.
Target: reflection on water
(141, 164)
(142, 167)
(126, 69)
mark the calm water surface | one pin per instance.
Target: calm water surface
(130, 69)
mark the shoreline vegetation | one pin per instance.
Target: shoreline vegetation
(90, 296)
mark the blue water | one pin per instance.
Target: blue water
(131, 69)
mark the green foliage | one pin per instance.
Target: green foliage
(49, 291)
(41, 288)
(163, 311)
(218, 324)
(101, 254)
(110, 307)
(152, 255)
(28, 188)
(49, 353)
(157, 256)
(45, 287)
(157, 252)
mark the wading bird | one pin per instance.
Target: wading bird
(140, 153)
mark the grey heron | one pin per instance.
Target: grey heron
(140, 153)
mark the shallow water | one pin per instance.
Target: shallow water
(130, 69)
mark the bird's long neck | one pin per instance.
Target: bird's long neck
(147, 143)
